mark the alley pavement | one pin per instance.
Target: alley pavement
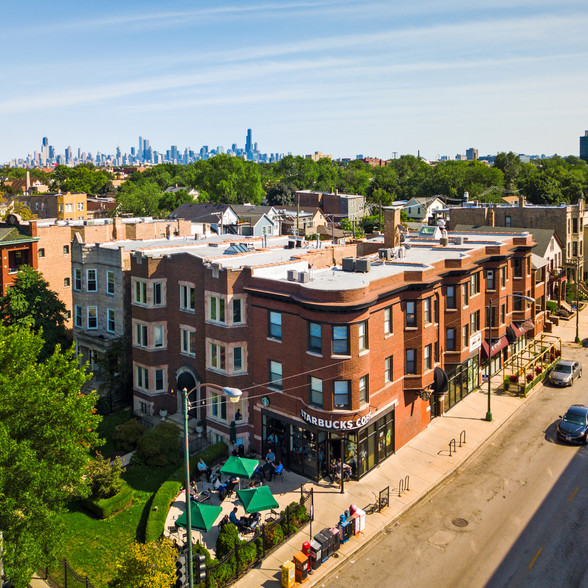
(426, 460)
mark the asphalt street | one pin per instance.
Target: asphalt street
(515, 515)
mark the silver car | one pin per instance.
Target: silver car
(565, 372)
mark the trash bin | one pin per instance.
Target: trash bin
(301, 567)
(315, 554)
(288, 568)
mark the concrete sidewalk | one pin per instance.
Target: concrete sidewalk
(426, 460)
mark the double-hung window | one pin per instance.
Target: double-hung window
(450, 298)
(78, 315)
(275, 325)
(341, 396)
(159, 380)
(363, 335)
(142, 378)
(91, 280)
(109, 282)
(364, 389)
(275, 375)
(141, 337)
(187, 298)
(315, 340)
(388, 321)
(158, 339)
(77, 279)
(340, 340)
(465, 294)
(411, 320)
(140, 292)
(217, 356)
(465, 337)
(237, 359)
(216, 309)
(157, 294)
(490, 279)
(427, 310)
(428, 359)
(316, 392)
(388, 366)
(410, 361)
(188, 342)
(110, 320)
(237, 311)
(451, 339)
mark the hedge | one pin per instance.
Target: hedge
(105, 507)
(163, 498)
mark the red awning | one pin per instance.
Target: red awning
(520, 330)
(496, 347)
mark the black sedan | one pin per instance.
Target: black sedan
(573, 427)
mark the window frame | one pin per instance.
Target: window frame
(77, 277)
(410, 363)
(187, 298)
(428, 357)
(110, 282)
(315, 342)
(338, 341)
(410, 316)
(389, 369)
(274, 382)
(364, 389)
(347, 393)
(80, 315)
(427, 311)
(91, 280)
(362, 336)
(110, 320)
(314, 392)
(450, 298)
(451, 342)
(388, 323)
(274, 329)
(90, 320)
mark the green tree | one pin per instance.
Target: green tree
(139, 199)
(30, 303)
(511, 166)
(47, 430)
(169, 201)
(147, 564)
(281, 194)
(105, 479)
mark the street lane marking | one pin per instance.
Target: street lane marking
(573, 494)
(535, 558)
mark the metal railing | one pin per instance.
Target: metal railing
(64, 576)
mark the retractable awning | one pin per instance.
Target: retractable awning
(497, 345)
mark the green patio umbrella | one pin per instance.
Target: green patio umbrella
(203, 516)
(257, 499)
(241, 467)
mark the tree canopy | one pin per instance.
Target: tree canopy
(30, 303)
(47, 429)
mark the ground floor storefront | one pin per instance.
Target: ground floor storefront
(313, 450)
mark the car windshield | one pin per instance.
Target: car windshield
(574, 419)
(563, 368)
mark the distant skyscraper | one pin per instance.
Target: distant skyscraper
(584, 147)
(249, 142)
(45, 142)
(471, 154)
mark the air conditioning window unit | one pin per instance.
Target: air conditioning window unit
(348, 264)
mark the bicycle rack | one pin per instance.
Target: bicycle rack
(403, 485)
(462, 434)
(452, 442)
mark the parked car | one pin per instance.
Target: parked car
(573, 426)
(565, 372)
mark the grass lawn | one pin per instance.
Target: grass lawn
(92, 546)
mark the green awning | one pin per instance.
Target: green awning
(240, 467)
(203, 516)
(256, 499)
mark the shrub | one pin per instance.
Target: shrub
(128, 434)
(163, 498)
(551, 306)
(226, 540)
(103, 508)
(298, 514)
(159, 446)
(272, 534)
(105, 479)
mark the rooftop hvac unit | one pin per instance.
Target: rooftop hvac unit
(348, 264)
(385, 254)
(304, 277)
(459, 240)
(292, 275)
(363, 265)
(291, 244)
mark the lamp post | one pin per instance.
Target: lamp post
(234, 395)
(578, 259)
(489, 318)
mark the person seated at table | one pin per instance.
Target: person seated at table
(272, 439)
(220, 488)
(202, 467)
(258, 473)
(240, 523)
(224, 521)
(276, 470)
(231, 483)
(271, 456)
(253, 520)
(193, 489)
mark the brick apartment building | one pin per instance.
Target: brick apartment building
(336, 349)
(61, 206)
(18, 246)
(336, 205)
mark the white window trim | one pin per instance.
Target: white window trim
(191, 352)
(183, 285)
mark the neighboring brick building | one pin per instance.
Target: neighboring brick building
(330, 359)
(68, 206)
(18, 246)
(336, 205)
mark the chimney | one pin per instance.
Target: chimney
(391, 221)
(521, 201)
(28, 181)
(118, 232)
(491, 217)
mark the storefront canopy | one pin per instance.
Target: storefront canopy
(257, 499)
(497, 346)
(203, 516)
(241, 467)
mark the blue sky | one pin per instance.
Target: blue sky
(343, 77)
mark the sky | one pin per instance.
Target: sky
(375, 78)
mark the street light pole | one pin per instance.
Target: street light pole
(577, 300)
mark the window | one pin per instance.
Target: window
(275, 325)
(490, 279)
(341, 394)
(518, 267)
(316, 392)
(475, 284)
(216, 309)
(411, 320)
(465, 294)
(141, 335)
(237, 311)
(507, 221)
(388, 365)
(428, 357)
(315, 339)
(78, 315)
(465, 338)
(158, 336)
(109, 282)
(275, 375)
(66, 250)
(69, 208)
(502, 314)
(142, 377)
(529, 262)
(388, 321)
(574, 225)
(218, 407)
(157, 294)
(188, 342)
(91, 280)
(187, 298)
(362, 335)
(364, 390)
(502, 277)
(427, 310)
(159, 380)
(411, 361)
(237, 359)
(217, 356)
(77, 278)
(80, 206)
(341, 340)
(475, 322)
(92, 317)
(451, 339)
(140, 292)
(66, 282)
(110, 320)
(451, 302)
(575, 248)
(436, 311)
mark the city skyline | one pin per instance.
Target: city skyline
(332, 76)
